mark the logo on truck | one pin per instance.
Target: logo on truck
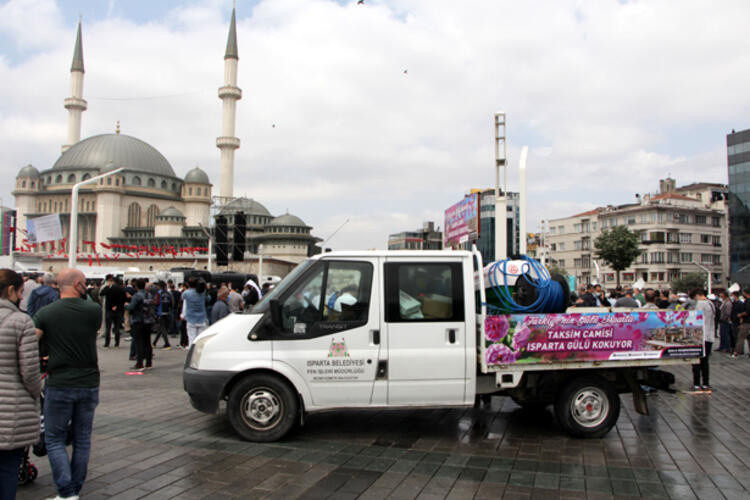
(338, 349)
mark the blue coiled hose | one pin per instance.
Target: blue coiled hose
(550, 294)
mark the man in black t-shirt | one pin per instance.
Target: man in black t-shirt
(69, 328)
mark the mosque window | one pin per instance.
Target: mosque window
(190, 191)
(72, 178)
(44, 206)
(49, 180)
(109, 181)
(136, 181)
(164, 184)
(86, 177)
(58, 179)
(151, 214)
(66, 205)
(134, 215)
(151, 183)
(198, 191)
(23, 184)
(174, 187)
(32, 184)
(117, 181)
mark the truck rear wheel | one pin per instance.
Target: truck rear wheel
(262, 408)
(587, 407)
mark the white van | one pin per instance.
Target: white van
(393, 329)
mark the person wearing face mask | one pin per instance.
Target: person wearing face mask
(69, 328)
(20, 382)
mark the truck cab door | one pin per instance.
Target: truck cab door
(330, 332)
(426, 331)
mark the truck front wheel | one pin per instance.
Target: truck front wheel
(587, 407)
(262, 408)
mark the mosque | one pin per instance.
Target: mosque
(146, 215)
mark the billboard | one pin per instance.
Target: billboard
(44, 228)
(462, 221)
(577, 337)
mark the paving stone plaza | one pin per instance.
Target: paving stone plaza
(150, 443)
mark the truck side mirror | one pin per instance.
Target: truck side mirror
(275, 312)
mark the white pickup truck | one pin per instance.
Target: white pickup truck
(410, 329)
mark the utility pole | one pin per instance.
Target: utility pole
(73, 237)
(501, 200)
(207, 232)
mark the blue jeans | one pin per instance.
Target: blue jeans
(76, 406)
(10, 461)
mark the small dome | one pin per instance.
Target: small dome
(170, 212)
(29, 171)
(287, 220)
(246, 205)
(197, 176)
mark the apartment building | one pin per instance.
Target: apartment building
(427, 238)
(681, 230)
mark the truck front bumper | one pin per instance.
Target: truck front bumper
(205, 387)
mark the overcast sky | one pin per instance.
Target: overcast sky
(382, 113)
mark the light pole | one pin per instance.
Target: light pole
(708, 271)
(73, 237)
(501, 202)
(210, 245)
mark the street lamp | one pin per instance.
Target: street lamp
(708, 271)
(73, 237)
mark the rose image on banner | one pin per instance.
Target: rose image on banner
(548, 338)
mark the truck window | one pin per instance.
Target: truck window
(334, 296)
(424, 292)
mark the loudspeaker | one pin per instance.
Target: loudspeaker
(238, 249)
(220, 237)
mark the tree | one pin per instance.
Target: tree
(689, 282)
(618, 247)
(555, 269)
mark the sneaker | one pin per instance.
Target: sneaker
(734, 355)
(697, 388)
(138, 368)
(167, 347)
(706, 389)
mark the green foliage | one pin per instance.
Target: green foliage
(618, 247)
(689, 281)
(554, 269)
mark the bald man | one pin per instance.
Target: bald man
(69, 327)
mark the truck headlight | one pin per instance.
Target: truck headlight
(198, 346)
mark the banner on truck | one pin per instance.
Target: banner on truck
(462, 221)
(577, 337)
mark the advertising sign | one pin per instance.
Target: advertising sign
(44, 228)
(561, 338)
(6, 232)
(462, 221)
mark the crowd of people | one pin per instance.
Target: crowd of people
(49, 326)
(726, 316)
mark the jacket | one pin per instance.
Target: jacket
(709, 331)
(20, 379)
(135, 307)
(40, 297)
(194, 307)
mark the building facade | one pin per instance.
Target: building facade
(738, 165)
(146, 213)
(427, 238)
(677, 227)
(487, 220)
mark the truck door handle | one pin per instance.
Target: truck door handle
(452, 336)
(375, 336)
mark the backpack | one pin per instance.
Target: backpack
(150, 303)
(166, 301)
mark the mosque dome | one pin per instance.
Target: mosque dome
(288, 220)
(197, 176)
(246, 205)
(29, 171)
(115, 150)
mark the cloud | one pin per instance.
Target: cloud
(332, 127)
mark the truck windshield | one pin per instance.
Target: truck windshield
(262, 306)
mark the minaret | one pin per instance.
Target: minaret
(75, 104)
(229, 94)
